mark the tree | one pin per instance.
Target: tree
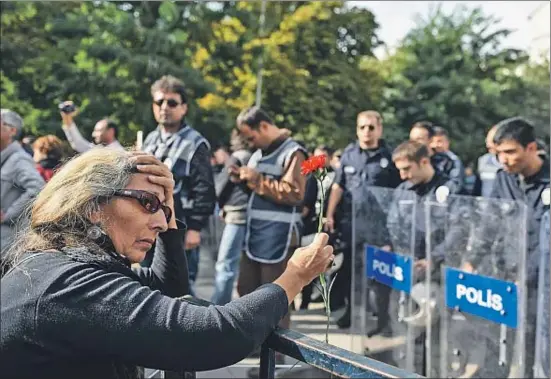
(100, 54)
(452, 70)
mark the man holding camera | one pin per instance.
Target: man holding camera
(105, 131)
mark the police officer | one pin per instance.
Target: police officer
(542, 365)
(444, 161)
(187, 153)
(367, 161)
(413, 160)
(488, 164)
(524, 177)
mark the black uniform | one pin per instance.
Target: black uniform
(529, 191)
(359, 168)
(401, 223)
(450, 165)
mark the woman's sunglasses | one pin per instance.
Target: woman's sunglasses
(170, 102)
(147, 200)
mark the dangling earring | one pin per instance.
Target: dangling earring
(94, 232)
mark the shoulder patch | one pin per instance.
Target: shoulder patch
(349, 169)
(546, 196)
(442, 194)
(384, 162)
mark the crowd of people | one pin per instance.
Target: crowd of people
(270, 211)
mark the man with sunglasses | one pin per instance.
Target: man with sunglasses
(366, 162)
(187, 153)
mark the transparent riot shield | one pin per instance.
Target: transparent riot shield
(475, 277)
(383, 245)
(542, 366)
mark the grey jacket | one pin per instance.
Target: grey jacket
(19, 184)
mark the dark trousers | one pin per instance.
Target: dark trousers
(253, 274)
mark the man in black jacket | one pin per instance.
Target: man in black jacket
(444, 161)
(187, 153)
(524, 178)
(366, 162)
(232, 199)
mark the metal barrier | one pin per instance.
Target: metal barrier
(336, 361)
(331, 359)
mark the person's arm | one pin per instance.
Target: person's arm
(169, 270)
(289, 190)
(29, 180)
(457, 171)
(223, 185)
(337, 190)
(334, 200)
(395, 178)
(485, 236)
(110, 315)
(202, 189)
(458, 223)
(75, 138)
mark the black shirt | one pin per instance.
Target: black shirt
(529, 191)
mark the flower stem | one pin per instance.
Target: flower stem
(323, 282)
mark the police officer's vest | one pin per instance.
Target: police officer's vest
(270, 225)
(487, 170)
(176, 153)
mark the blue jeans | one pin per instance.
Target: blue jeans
(227, 264)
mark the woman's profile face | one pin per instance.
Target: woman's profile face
(130, 226)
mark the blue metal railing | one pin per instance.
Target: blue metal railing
(339, 362)
(331, 359)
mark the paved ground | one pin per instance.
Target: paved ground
(311, 322)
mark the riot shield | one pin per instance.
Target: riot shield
(383, 241)
(476, 253)
(542, 366)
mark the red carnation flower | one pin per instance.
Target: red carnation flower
(313, 164)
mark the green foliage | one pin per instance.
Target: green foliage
(317, 63)
(452, 70)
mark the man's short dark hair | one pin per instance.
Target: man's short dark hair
(252, 117)
(515, 129)
(440, 131)
(427, 125)
(326, 148)
(411, 150)
(112, 124)
(169, 83)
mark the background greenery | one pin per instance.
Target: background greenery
(319, 68)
